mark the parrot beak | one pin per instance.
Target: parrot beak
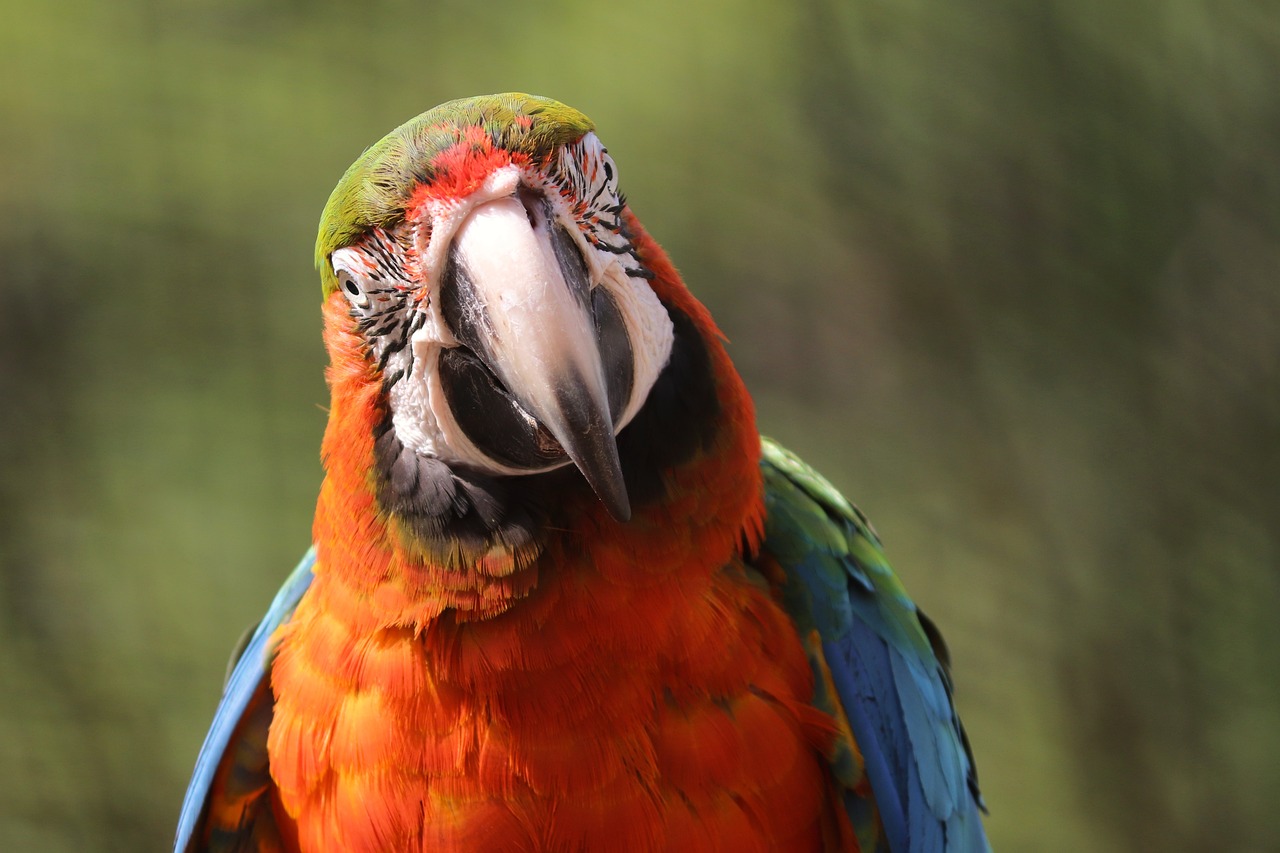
(516, 292)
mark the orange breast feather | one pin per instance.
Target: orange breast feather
(627, 686)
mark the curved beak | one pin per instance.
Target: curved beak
(523, 305)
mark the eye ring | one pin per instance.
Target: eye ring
(352, 290)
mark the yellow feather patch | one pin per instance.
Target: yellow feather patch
(846, 759)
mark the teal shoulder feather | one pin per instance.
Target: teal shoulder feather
(884, 663)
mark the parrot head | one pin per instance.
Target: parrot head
(483, 274)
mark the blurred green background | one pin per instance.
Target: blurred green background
(1007, 270)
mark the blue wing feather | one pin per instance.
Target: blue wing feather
(893, 689)
(860, 672)
(246, 678)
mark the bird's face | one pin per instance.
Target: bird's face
(508, 313)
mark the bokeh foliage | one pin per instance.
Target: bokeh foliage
(1006, 270)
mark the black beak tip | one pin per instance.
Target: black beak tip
(605, 479)
(618, 504)
(587, 437)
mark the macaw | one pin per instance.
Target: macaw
(562, 596)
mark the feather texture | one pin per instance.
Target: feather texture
(893, 689)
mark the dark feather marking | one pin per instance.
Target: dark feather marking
(936, 642)
(391, 349)
(404, 473)
(599, 189)
(386, 445)
(393, 379)
(939, 646)
(439, 503)
(434, 492)
(459, 504)
(486, 496)
(237, 652)
(419, 320)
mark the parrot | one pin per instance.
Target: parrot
(562, 595)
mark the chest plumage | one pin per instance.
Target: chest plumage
(652, 697)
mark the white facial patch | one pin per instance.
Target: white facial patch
(581, 189)
(649, 326)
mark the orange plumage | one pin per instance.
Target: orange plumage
(627, 687)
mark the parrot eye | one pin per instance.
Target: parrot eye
(352, 290)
